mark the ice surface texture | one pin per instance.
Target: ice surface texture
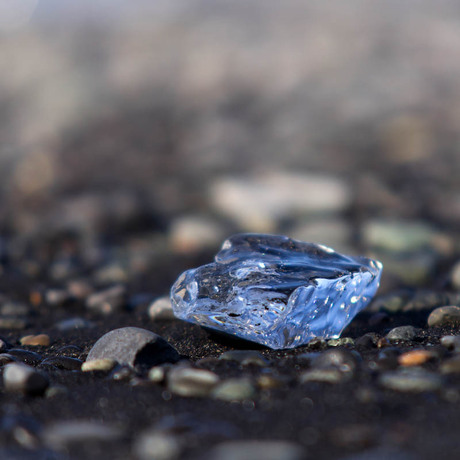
(276, 291)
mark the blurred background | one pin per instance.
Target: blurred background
(135, 132)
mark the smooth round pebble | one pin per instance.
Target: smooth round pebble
(402, 333)
(341, 359)
(444, 316)
(161, 309)
(327, 375)
(245, 357)
(103, 365)
(187, 381)
(413, 380)
(237, 389)
(39, 340)
(251, 450)
(26, 356)
(154, 445)
(451, 342)
(133, 346)
(415, 357)
(24, 379)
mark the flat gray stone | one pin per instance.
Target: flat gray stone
(444, 316)
(402, 333)
(133, 346)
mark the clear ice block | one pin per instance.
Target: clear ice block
(276, 291)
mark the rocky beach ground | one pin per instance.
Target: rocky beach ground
(131, 151)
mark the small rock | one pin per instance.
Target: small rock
(341, 342)
(156, 445)
(72, 324)
(415, 357)
(444, 316)
(63, 362)
(24, 379)
(40, 340)
(245, 357)
(157, 374)
(26, 356)
(317, 344)
(251, 450)
(344, 360)
(327, 375)
(57, 297)
(366, 341)
(195, 233)
(15, 309)
(451, 342)
(12, 322)
(64, 433)
(187, 381)
(402, 333)
(79, 289)
(133, 346)
(450, 366)
(415, 380)
(161, 309)
(108, 301)
(103, 365)
(237, 389)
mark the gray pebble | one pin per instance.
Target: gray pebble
(133, 346)
(108, 301)
(64, 433)
(444, 316)
(72, 324)
(24, 379)
(402, 333)
(415, 380)
(187, 381)
(343, 360)
(367, 341)
(161, 309)
(251, 450)
(245, 357)
(155, 445)
(237, 389)
(451, 342)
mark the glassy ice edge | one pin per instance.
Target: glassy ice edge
(276, 291)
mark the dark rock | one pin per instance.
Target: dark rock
(451, 342)
(135, 347)
(24, 379)
(64, 362)
(26, 356)
(366, 341)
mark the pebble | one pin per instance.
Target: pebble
(157, 374)
(187, 381)
(455, 276)
(153, 444)
(133, 346)
(108, 301)
(14, 309)
(450, 366)
(402, 333)
(413, 380)
(236, 389)
(6, 358)
(367, 341)
(26, 356)
(72, 324)
(444, 316)
(451, 342)
(341, 342)
(161, 309)
(24, 379)
(328, 375)
(63, 433)
(245, 357)
(251, 450)
(103, 365)
(57, 297)
(344, 360)
(39, 340)
(194, 233)
(415, 357)
(63, 362)
(259, 203)
(397, 236)
(12, 322)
